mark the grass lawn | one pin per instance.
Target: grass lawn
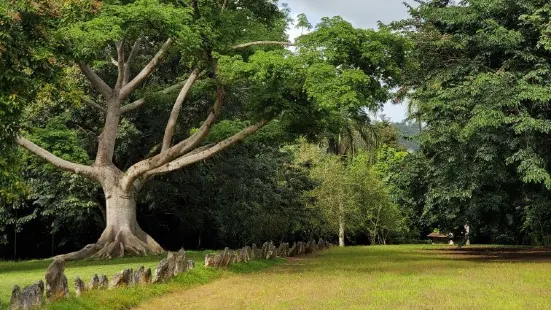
(384, 277)
(377, 277)
(29, 272)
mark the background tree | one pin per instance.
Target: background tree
(377, 215)
(349, 194)
(25, 63)
(482, 91)
(333, 196)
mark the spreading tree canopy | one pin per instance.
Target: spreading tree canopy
(482, 92)
(126, 59)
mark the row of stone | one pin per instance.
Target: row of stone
(268, 251)
(31, 297)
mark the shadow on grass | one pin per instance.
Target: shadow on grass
(408, 261)
(368, 260)
(520, 254)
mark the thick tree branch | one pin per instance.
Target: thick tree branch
(131, 57)
(146, 71)
(205, 153)
(96, 81)
(94, 104)
(133, 106)
(194, 140)
(175, 113)
(108, 136)
(138, 169)
(60, 163)
(138, 103)
(120, 64)
(262, 43)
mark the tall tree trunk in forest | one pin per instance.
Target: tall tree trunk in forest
(341, 225)
(15, 237)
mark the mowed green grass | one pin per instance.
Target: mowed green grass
(377, 277)
(383, 277)
(29, 272)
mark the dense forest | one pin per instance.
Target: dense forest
(165, 124)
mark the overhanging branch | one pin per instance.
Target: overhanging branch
(131, 56)
(94, 104)
(83, 170)
(262, 43)
(140, 168)
(120, 64)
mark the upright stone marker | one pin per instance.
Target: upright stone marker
(165, 269)
(180, 262)
(140, 277)
(271, 252)
(254, 252)
(94, 282)
(80, 287)
(265, 246)
(209, 260)
(56, 281)
(292, 250)
(122, 279)
(103, 282)
(29, 298)
(15, 300)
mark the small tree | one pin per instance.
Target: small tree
(379, 216)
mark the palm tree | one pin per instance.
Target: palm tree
(356, 132)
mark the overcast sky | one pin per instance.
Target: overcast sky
(362, 14)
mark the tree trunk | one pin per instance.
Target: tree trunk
(122, 235)
(341, 230)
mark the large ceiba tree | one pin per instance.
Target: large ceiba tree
(131, 53)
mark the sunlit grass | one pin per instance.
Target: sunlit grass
(380, 277)
(25, 273)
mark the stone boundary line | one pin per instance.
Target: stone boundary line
(32, 297)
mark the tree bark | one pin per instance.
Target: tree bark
(341, 226)
(107, 138)
(122, 235)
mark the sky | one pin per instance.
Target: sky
(362, 14)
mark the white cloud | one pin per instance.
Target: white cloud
(293, 32)
(362, 13)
